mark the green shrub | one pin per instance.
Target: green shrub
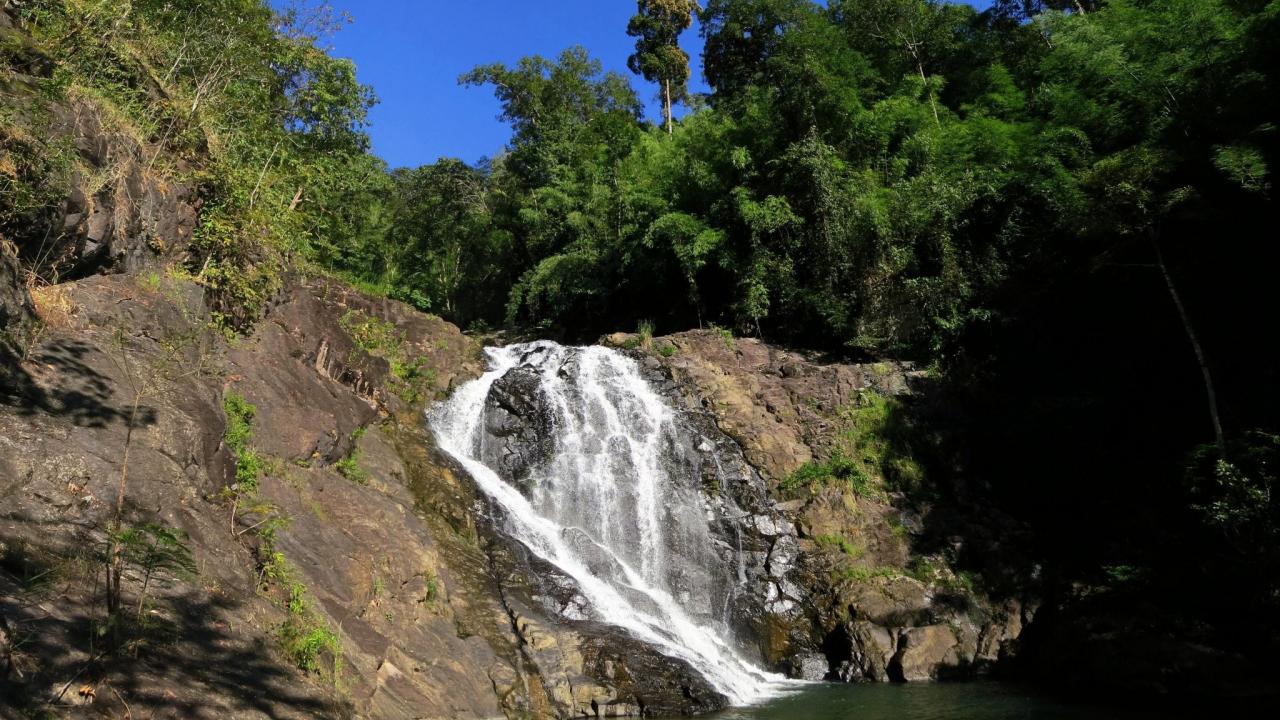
(410, 376)
(239, 431)
(349, 466)
(725, 334)
(305, 637)
(838, 468)
(862, 574)
(433, 590)
(645, 331)
(350, 469)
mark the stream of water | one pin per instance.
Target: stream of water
(609, 508)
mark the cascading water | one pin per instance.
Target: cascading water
(606, 504)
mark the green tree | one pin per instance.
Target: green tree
(657, 26)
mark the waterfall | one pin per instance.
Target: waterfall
(608, 504)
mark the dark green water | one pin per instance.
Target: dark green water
(956, 701)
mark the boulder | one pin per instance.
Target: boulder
(872, 656)
(519, 435)
(924, 652)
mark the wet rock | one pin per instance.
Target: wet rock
(783, 555)
(518, 426)
(872, 656)
(809, 666)
(646, 680)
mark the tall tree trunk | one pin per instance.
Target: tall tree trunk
(670, 124)
(1214, 417)
(932, 105)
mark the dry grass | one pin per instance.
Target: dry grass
(54, 306)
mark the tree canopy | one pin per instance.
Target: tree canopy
(657, 26)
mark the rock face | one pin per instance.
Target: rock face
(871, 604)
(367, 558)
(126, 225)
(433, 615)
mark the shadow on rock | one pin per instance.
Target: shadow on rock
(186, 660)
(80, 392)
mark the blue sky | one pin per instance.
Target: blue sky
(412, 52)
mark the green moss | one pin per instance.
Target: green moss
(895, 525)
(863, 574)
(838, 469)
(872, 450)
(844, 545)
(939, 573)
(666, 350)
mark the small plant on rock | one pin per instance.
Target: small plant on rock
(645, 331)
(725, 334)
(349, 466)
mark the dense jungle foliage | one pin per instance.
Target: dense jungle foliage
(1065, 208)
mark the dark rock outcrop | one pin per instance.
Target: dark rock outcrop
(518, 424)
(128, 222)
(16, 308)
(125, 207)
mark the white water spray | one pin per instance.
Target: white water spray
(605, 509)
